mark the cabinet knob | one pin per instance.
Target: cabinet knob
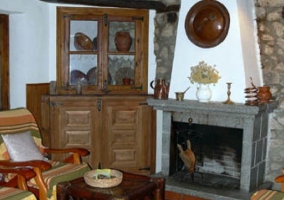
(105, 87)
(190, 121)
(99, 104)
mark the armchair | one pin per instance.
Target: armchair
(280, 179)
(267, 194)
(9, 190)
(21, 146)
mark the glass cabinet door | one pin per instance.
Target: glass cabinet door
(83, 58)
(103, 50)
(121, 52)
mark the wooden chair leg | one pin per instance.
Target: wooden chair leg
(159, 193)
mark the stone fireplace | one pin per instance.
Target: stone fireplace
(217, 153)
(252, 120)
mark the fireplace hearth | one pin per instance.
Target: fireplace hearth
(251, 120)
(201, 179)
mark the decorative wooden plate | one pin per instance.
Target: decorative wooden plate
(207, 23)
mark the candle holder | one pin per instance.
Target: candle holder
(228, 101)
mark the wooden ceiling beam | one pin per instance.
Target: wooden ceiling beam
(138, 4)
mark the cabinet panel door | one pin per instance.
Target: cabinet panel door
(74, 124)
(126, 143)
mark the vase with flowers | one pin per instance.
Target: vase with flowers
(204, 75)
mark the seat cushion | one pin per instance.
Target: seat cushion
(61, 172)
(8, 193)
(267, 195)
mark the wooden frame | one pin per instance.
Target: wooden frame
(4, 61)
(103, 16)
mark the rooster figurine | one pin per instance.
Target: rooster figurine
(187, 156)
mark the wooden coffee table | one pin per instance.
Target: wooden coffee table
(132, 187)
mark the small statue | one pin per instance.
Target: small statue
(188, 157)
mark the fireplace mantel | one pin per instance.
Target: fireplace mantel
(212, 113)
(216, 107)
(253, 120)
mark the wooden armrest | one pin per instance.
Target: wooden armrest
(43, 165)
(25, 172)
(20, 181)
(279, 179)
(80, 151)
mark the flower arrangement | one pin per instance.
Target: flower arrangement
(204, 74)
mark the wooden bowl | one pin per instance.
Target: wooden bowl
(116, 178)
(92, 75)
(77, 75)
(83, 42)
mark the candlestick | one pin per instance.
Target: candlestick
(228, 101)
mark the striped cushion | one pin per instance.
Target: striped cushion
(17, 121)
(61, 172)
(21, 120)
(267, 195)
(8, 193)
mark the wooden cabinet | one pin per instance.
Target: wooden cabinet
(101, 88)
(102, 51)
(119, 130)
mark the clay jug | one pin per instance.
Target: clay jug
(264, 94)
(161, 89)
(123, 41)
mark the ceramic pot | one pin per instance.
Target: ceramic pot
(264, 94)
(127, 81)
(123, 41)
(203, 93)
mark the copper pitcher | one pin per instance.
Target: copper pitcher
(161, 89)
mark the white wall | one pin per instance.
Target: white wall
(29, 61)
(33, 45)
(235, 58)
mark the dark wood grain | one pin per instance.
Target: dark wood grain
(139, 4)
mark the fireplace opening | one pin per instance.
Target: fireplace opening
(217, 151)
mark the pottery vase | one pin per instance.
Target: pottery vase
(203, 93)
(264, 94)
(123, 41)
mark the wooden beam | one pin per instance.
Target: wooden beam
(137, 4)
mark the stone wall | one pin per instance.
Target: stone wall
(164, 42)
(270, 18)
